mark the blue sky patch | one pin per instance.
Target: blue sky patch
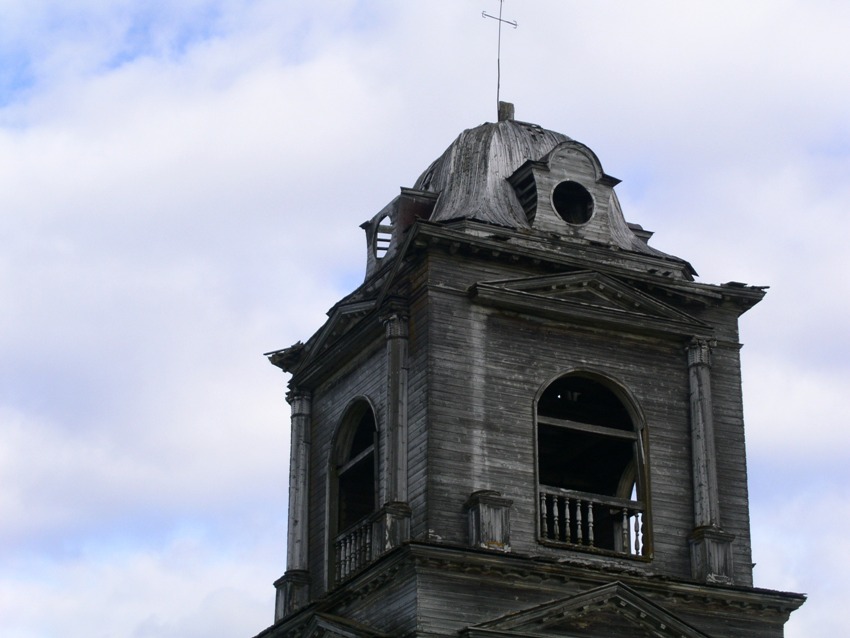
(16, 76)
(153, 33)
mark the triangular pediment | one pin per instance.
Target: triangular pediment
(342, 319)
(611, 611)
(328, 626)
(587, 297)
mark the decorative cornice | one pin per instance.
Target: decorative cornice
(521, 568)
(289, 358)
(529, 571)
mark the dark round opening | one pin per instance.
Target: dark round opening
(572, 202)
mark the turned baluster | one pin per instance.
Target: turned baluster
(624, 531)
(342, 558)
(556, 500)
(338, 547)
(638, 534)
(579, 531)
(544, 513)
(348, 553)
(368, 543)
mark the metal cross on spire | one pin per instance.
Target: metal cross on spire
(498, 18)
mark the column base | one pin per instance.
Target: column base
(392, 526)
(489, 520)
(711, 555)
(293, 592)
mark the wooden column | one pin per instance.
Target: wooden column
(706, 505)
(396, 331)
(711, 547)
(395, 519)
(293, 589)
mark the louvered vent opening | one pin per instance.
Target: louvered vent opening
(525, 187)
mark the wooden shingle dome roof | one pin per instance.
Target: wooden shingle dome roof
(472, 174)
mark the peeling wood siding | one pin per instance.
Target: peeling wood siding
(390, 608)
(417, 466)
(731, 457)
(449, 601)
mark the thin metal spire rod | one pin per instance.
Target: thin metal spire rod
(484, 14)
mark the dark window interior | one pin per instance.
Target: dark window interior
(586, 443)
(582, 461)
(356, 493)
(572, 202)
(585, 401)
(588, 459)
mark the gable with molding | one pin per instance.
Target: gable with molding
(328, 626)
(587, 297)
(611, 611)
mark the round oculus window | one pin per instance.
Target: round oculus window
(572, 202)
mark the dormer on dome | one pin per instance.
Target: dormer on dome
(567, 193)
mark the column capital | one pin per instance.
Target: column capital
(299, 400)
(395, 323)
(699, 352)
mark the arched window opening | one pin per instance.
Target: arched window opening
(353, 492)
(356, 495)
(589, 455)
(383, 236)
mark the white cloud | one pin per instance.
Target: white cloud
(188, 586)
(796, 537)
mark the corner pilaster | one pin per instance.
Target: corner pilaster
(711, 547)
(293, 587)
(395, 325)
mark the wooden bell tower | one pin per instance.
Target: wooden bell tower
(525, 422)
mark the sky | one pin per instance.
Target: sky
(181, 185)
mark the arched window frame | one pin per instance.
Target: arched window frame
(633, 538)
(350, 541)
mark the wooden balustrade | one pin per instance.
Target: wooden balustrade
(353, 549)
(364, 542)
(580, 519)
